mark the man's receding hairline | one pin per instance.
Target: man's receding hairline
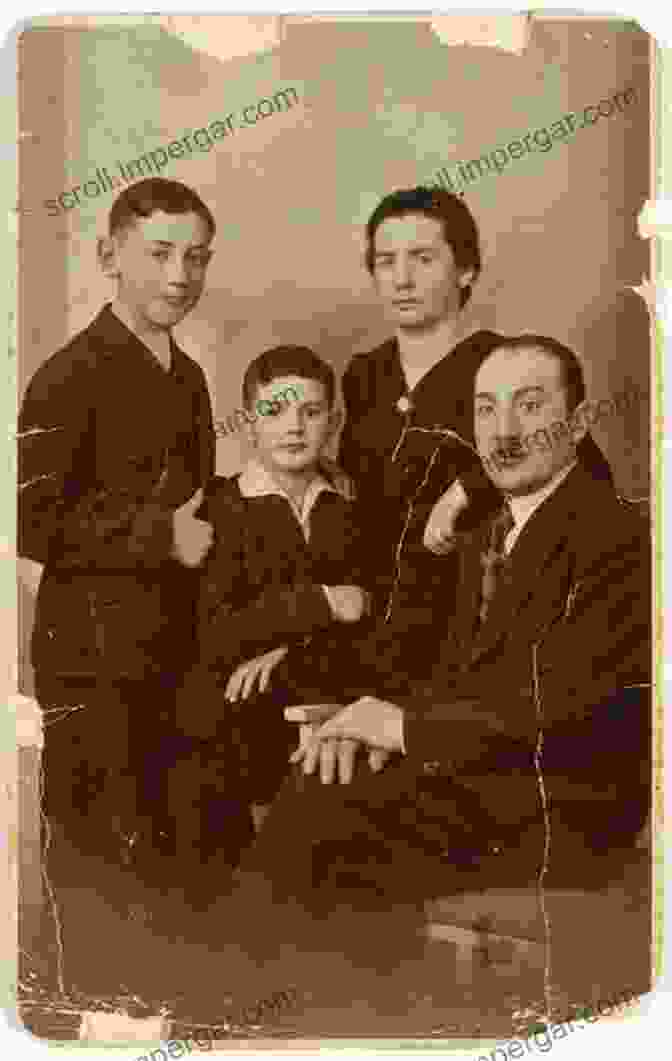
(535, 348)
(513, 350)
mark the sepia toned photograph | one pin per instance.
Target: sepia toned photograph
(336, 376)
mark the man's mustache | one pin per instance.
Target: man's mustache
(513, 449)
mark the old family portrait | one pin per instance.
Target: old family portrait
(347, 693)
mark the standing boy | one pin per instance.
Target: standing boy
(282, 580)
(116, 444)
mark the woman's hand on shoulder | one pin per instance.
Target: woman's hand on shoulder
(439, 536)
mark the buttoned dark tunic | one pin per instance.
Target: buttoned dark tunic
(397, 448)
(110, 445)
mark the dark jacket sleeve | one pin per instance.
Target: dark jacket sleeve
(235, 622)
(278, 615)
(357, 394)
(581, 666)
(62, 517)
(205, 427)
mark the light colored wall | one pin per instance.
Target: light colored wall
(381, 106)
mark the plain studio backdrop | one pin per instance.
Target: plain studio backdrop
(380, 106)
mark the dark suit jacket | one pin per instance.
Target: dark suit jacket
(565, 646)
(109, 446)
(555, 671)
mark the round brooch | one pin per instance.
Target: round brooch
(404, 404)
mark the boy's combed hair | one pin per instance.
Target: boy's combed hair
(460, 230)
(287, 361)
(156, 193)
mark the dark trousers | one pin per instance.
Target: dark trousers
(107, 748)
(403, 836)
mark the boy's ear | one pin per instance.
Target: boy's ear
(466, 278)
(106, 250)
(249, 433)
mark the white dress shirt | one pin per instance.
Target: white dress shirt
(523, 507)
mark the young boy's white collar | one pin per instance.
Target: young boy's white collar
(256, 481)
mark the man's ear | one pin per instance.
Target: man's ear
(578, 421)
(107, 254)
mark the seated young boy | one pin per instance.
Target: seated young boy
(280, 592)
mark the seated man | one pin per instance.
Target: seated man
(537, 699)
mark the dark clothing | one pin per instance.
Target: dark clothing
(106, 759)
(110, 445)
(262, 588)
(402, 462)
(565, 653)
(565, 648)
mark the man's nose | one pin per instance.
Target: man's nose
(508, 423)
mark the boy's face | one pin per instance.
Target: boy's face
(290, 433)
(520, 393)
(160, 263)
(414, 271)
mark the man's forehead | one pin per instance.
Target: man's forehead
(180, 229)
(509, 370)
(407, 229)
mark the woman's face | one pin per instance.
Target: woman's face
(415, 273)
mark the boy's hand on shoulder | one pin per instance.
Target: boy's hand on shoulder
(348, 603)
(192, 537)
(241, 683)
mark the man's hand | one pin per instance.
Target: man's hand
(439, 536)
(348, 603)
(241, 683)
(338, 755)
(368, 721)
(191, 537)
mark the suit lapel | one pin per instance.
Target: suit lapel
(541, 537)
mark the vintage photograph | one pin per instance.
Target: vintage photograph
(335, 369)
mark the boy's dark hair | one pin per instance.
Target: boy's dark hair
(287, 361)
(155, 193)
(572, 368)
(459, 227)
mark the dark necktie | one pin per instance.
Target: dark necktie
(494, 559)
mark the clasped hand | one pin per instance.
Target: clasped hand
(374, 723)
